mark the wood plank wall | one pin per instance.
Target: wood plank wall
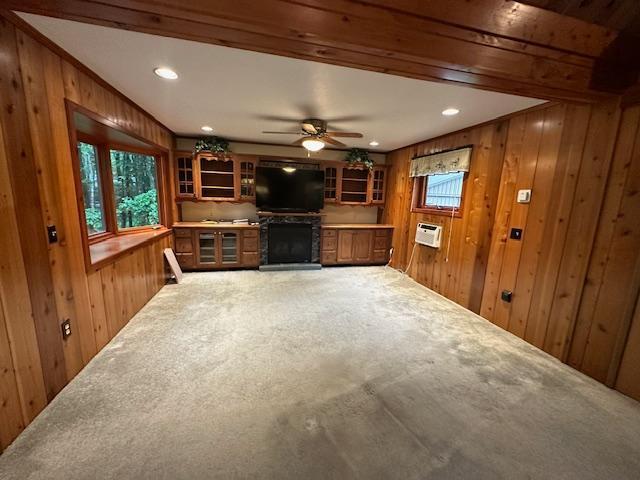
(41, 285)
(575, 274)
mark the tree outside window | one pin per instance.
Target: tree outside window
(135, 189)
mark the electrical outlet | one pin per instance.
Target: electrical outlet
(66, 329)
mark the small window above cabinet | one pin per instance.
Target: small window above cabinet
(217, 177)
(185, 186)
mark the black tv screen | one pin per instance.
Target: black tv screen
(289, 189)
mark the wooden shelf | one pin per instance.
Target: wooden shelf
(217, 172)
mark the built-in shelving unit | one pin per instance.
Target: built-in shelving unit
(217, 178)
(231, 178)
(354, 185)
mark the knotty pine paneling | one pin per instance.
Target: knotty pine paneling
(575, 275)
(455, 276)
(43, 284)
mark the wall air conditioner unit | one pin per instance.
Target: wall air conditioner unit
(429, 235)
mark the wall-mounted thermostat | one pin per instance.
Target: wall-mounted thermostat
(524, 196)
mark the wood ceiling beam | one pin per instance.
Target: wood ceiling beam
(488, 44)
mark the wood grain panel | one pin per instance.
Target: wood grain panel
(11, 420)
(616, 274)
(561, 197)
(576, 272)
(453, 275)
(417, 41)
(23, 173)
(583, 222)
(628, 381)
(18, 313)
(48, 283)
(537, 217)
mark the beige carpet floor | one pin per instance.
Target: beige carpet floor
(339, 373)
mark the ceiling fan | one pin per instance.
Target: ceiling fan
(315, 135)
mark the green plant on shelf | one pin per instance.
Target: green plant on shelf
(215, 145)
(359, 156)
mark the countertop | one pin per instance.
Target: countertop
(212, 225)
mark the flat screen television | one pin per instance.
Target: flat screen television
(288, 189)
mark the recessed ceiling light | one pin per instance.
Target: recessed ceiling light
(450, 111)
(373, 143)
(166, 73)
(313, 144)
(207, 128)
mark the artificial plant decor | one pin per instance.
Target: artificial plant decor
(213, 144)
(358, 155)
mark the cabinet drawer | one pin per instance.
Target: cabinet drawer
(380, 256)
(329, 243)
(250, 233)
(250, 244)
(380, 243)
(250, 260)
(328, 232)
(184, 245)
(329, 257)
(182, 232)
(382, 232)
(185, 260)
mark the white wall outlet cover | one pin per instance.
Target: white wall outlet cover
(524, 196)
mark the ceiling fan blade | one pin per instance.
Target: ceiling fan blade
(332, 141)
(345, 134)
(285, 133)
(298, 142)
(309, 128)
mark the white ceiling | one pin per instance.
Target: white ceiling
(241, 93)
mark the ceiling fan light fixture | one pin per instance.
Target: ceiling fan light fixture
(313, 144)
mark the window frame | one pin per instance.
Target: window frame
(418, 204)
(104, 147)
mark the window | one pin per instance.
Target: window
(440, 192)
(120, 191)
(134, 189)
(91, 189)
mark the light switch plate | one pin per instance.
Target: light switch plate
(524, 196)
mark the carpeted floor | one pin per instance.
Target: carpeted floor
(338, 373)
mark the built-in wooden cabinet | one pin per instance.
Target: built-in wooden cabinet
(355, 244)
(202, 247)
(231, 178)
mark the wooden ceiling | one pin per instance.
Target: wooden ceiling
(621, 15)
(497, 45)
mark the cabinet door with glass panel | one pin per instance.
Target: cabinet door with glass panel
(229, 241)
(377, 180)
(185, 176)
(332, 179)
(247, 172)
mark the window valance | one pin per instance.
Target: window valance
(457, 160)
